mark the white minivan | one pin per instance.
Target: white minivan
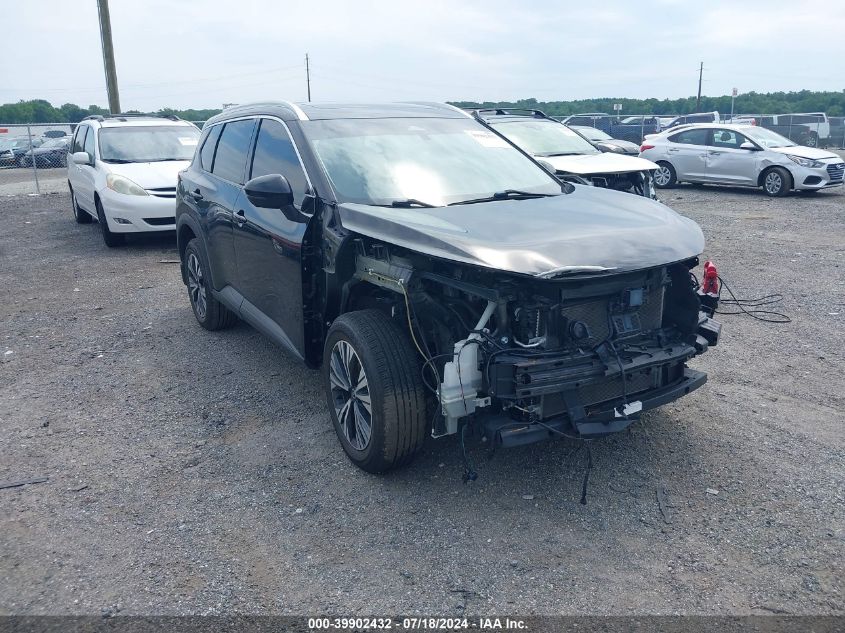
(122, 171)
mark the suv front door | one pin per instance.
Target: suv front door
(268, 245)
(727, 163)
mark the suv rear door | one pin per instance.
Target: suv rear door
(212, 185)
(268, 245)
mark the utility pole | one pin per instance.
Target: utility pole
(108, 56)
(698, 101)
(308, 77)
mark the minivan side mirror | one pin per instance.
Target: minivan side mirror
(80, 158)
(749, 146)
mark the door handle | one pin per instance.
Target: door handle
(196, 194)
(672, 150)
(714, 153)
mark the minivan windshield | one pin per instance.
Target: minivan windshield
(767, 138)
(545, 138)
(421, 161)
(148, 143)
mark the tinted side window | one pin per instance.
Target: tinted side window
(691, 137)
(275, 154)
(232, 150)
(208, 147)
(79, 139)
(89, 143)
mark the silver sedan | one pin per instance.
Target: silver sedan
(743, 155)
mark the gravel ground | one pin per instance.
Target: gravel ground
(193, 472)
(15, 181)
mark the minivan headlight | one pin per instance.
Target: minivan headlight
(805, 162)
(121, 184)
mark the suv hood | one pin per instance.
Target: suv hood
(805, 152)
(590, 230)
(605, 163)
(150, 175)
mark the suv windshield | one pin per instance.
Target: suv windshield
(148, 143)
(767, 138)
(545, 138)
(426, 161)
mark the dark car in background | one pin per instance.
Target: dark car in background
(605, 142)
(12, 150)
(443, 281)
(52, 153)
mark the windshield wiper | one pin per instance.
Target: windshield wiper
(507, 194)
(119, 161)
(407, 204)
(550, 154)
(161, 160)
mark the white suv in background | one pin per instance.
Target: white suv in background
(122, 170)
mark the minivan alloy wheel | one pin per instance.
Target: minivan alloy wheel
(196, 285)
(350, 392)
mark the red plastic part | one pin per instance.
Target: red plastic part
(710, 284)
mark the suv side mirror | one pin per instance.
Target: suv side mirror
(749, 146)
(269, 192)
(80, 158)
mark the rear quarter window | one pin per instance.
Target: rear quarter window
(232, 150)
(206, 153)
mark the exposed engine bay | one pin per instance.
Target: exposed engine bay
(640, 183)
(527, 356)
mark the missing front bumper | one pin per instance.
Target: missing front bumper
(507, 432)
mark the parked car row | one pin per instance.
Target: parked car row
(744, 155)
(21, 151)
(449, 272)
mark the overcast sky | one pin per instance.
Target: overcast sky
(204, 53)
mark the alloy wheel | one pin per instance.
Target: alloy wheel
(663, 175)
(350, 392)
(196, 286)
(773, 182)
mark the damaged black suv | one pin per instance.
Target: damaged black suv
(441, 278)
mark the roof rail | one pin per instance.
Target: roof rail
(122, 116)
(537, 114)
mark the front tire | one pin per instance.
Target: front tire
(111, 239)
(209, 312)
(777, 182)
(665, 176)
(79, 215)
(374, 391)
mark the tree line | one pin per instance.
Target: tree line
(41, 111)
(833, 103)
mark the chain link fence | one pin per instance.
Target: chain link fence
(33, 157)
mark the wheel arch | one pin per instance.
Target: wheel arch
(769, 168)
(187, 229)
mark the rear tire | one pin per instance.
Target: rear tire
(209, 312)
(777, 182)
(79, 215)
(111, 239)
(665, 176)
(372, 379)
